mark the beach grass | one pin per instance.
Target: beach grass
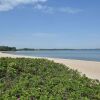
(41, 79)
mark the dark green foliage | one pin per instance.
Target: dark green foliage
(42, 79)
(6, 48)
(26, 49)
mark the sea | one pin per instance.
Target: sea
(89, 55)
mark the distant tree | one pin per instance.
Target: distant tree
(26, 49)
(6, 48)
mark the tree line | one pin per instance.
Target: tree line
(6, 48)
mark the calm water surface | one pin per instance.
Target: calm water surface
(92, 55)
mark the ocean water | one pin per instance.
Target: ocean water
(91, 55)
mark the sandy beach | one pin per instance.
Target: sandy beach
(90, 68)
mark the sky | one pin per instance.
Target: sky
(50, 23)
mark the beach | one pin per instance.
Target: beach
(90, 68)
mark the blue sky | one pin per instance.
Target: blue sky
(50, 23)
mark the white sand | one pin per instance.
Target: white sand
(90, 68)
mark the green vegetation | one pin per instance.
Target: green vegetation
(26, 49)
(40, 79)
(32, 49)
(6, 48)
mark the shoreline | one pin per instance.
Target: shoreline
(90, 68)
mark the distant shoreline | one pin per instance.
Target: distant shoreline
(7, 48)
(50, 49)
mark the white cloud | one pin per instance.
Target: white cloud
(44, 8)
(69, 10)
(6, 5)
(42, 35)
(49, 9)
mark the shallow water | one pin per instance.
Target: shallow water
(92, 55)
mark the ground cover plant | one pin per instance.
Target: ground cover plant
(40, 79)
